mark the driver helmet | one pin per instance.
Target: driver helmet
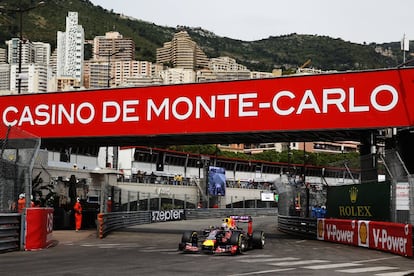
(224, 226)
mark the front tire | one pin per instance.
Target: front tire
(238, 239)
(189, 236)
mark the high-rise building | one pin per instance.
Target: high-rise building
(108, 50)
(35, 80)
(70, 49)
(4, 78)
(182, 52)
(35, 69)
(113, 46)
(3, 55)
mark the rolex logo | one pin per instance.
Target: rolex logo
(353, 194)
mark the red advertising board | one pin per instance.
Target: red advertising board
(298, 103)
(385, 236)
(391, 237)
(337, 230)
(39, 228)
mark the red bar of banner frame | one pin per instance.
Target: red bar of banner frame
(339, 101)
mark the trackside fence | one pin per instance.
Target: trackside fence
(10, 226)
(108, 222)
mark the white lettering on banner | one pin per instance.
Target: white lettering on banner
(384, 241)
(339, 235)
(334, 97)
(283, 103)
(55, 114)
(167, 215)
(49, 226)
(128, 108)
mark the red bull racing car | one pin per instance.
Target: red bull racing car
(227, 238)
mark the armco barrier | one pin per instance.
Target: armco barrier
(298, 226)
(10, 232)
(108, 222)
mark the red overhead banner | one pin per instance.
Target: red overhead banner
(354, 100)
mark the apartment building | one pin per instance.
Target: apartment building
(35, 70)
(178, 75)
(4, 78)
(113, 46)
(131, 72)
(35, 80)
(182, 52)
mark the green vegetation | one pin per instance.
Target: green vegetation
(287, 52)
(296, 156)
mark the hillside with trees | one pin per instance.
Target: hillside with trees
(286, 52)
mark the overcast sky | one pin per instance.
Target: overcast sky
(357, 21)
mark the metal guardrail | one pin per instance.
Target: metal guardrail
(10, 232)
(298, 226)
(108, 222)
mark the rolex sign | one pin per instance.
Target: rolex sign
(361, 201)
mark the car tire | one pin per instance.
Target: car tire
(258, 239)
(238, 239)
(189, 236)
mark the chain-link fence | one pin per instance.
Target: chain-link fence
(18, 152)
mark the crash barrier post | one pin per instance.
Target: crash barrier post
(108, 222)
(10, 232)
(39, 228)
(302, 227)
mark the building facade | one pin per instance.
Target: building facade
(182, 52)
(70, 49)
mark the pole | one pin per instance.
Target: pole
(304, 180)
(19, 80)
(109, 71)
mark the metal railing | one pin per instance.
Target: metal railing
(10, 225)
(108, 222)
(298, 226)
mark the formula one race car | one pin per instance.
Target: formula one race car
(228, 238)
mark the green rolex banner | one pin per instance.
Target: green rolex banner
(360, 201)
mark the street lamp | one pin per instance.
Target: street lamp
(20, 10)
(109, 55)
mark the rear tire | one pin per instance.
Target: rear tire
(258, 239)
